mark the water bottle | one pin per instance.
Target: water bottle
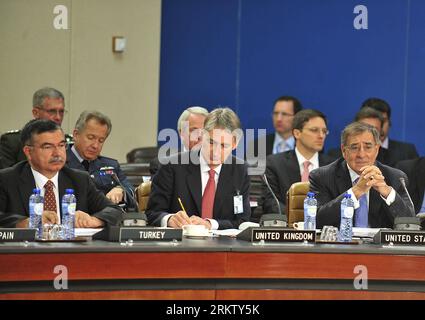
(36, 206)
(347, 212)
(310, 210)
(69, 205)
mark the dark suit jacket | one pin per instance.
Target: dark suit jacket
(399, 151)
(282, 171)
(17, 183)
(415, 170)
(103, 182)
(11, 148)
(332, 181)
(176, 180)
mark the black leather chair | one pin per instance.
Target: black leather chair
(142, 155)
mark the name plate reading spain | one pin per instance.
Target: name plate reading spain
(283, 235)
(17, 234)
(150, 234)
(413, 238)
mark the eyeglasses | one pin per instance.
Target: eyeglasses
(53, 112)
(283, 114)
(367, 147)
(50, 147)
(315, 130)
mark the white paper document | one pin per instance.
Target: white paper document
(364, 232)
(86, 232)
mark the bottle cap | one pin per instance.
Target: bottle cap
(311, 194)
(69, 191)
(36, 191)
(347, 196)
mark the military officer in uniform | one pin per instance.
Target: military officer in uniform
(49, 104)
(90, 133)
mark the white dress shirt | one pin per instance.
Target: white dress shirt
(282, 145)
(314, 161)
(41, 180)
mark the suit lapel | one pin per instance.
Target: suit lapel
(26, 185)
(343, 178)
(293, 169)
(224, 186)
(194, 185)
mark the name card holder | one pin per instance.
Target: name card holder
(277, 235)
(397, 237)
(17, 234)
(150, 234)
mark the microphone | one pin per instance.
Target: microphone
(272, 219)
(403, 183)
(407, 223)
(133, 218)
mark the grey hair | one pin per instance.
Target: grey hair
(186, 113)
(357, 128)
(86, 116)
(46, 92)
(223, 118)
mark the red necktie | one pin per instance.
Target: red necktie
(304, 177)
(208, 197)
(49, 197)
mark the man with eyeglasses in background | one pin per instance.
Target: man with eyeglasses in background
(49, 104)
(284, 169)
(375, 188)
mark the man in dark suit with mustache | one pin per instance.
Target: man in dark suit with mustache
(212, 186)
(375, 188)
(44, 146)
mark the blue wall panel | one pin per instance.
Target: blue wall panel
(246, 53)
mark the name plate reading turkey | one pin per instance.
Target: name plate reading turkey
(283, 235)
(150, 234)
(413, 238)
(17, 234)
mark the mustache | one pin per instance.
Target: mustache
(57, 160)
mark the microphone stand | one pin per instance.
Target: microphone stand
(272, 219)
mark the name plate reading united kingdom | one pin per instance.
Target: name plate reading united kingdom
(278, 235)
(17, 234)
(413, 238)
(150, 234)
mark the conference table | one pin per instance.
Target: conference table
(209, 268)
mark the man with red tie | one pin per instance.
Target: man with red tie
(212, 185)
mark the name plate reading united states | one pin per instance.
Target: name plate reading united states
(150, 234)
(413, 238)
(17, 234)
(278, 235)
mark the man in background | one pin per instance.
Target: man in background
(397, 150)
(189, 127)
(284, 169)
(90, 133)
(49, 104)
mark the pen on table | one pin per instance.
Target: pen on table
(181, 205)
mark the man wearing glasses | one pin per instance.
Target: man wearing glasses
(49, 104)
(375, 188)
(284, 169)
(45, 148)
